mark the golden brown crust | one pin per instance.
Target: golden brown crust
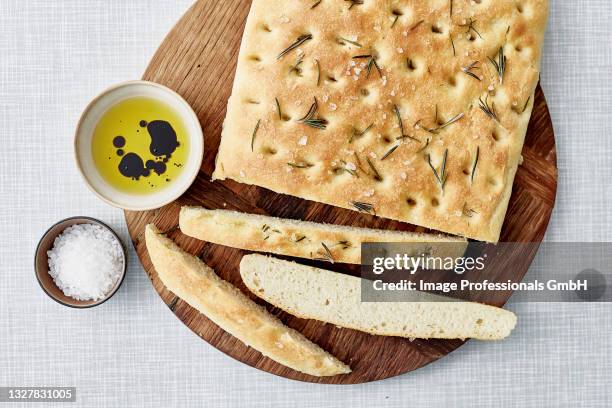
(425, 53)
(194, 282)
(334, 243)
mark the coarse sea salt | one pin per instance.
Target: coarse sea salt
(86, 261)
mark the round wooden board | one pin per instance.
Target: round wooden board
(198, 60)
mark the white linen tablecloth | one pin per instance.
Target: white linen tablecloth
(56, 55)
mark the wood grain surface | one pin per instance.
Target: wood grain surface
(198, 60)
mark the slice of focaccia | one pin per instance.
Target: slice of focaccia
(197, 284)
(413, 110)
(313, 293)
(333, 243)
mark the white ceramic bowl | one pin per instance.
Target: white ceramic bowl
(84, 157)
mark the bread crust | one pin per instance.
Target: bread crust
(302, 239)
(435, 67)
(198, 285)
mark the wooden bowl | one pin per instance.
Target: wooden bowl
(41, 263)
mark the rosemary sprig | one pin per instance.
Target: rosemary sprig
(469, 70)
(436, 130)
(449, 122)
(452, 41)
(343, 40)
(468, 212)
(441, 177)
(500, 64)
(354, 3)
(425, 146)
(349, 171)
(358, 161)
(376, 173)
(398, 115)
(316, 3)
(265, 228)
(526, 104)
(300, 40)
(475, 164)
(318, 72)
(363, 207)
(328, 254)
(358, 134)
(414, 27)
(407, 137)
(389, 152)
(278, 109)
(397, 15)
(296, 67)
(488, 109)
(403, 135)
(345, 244)
(311, 111)
(419, 125)
(451, 9)
(371, 63)
(255, 134)
(310, 118)
(470, 25)
(300, 165)
(443, 173)
(316, 123)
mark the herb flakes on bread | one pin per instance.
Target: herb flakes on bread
(304, 239)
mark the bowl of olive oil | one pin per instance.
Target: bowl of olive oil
(139, 145)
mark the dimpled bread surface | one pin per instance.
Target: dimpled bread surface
(410, 110)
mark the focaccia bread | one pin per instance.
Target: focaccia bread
(332, 243)
(193, 281)
(411, 110)
(313, 293)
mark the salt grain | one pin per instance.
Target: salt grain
(86, 262)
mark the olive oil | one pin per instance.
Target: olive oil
(140, 145)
